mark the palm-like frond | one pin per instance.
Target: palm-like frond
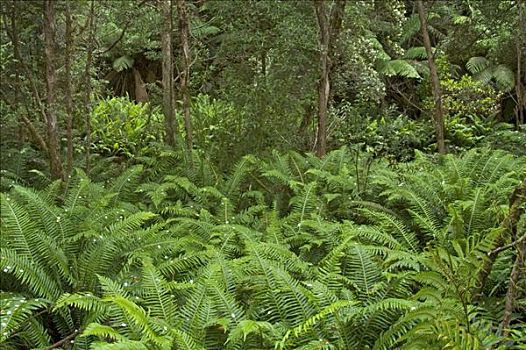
(485, 71)
(398, 68)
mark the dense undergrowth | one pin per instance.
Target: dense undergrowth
(284, 252)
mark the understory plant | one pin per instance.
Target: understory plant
(284, 252)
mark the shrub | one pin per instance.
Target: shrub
(218, 128)
(389, 134)
(123, 127)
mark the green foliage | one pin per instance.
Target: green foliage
(471, 108)
(122, 127)
(467, 97)
(122, 63)
(284, 252)
(391, 135)
(244, 242)
(398, 68)
(219, 129)
(486, 72)
(504, 137)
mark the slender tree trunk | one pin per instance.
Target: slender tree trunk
(21, 63)
(264, 63)
(24, 120)
(335, 28)
(521, 105)
(435, 82)
(185, 76)
(324, 84)
(55, 163)
(306, 123)
(330, 29)
(35, 134)
(167, 72)
(519, 269)
(87, 83)
(14, 15)
(69, 94)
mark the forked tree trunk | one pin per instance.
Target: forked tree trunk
(55, 163)
(170, 124)
(435, 82)
(68, 88)
(185, 76)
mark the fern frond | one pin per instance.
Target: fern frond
(15, 311)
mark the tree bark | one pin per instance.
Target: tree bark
(24, 120)
(68, 88)
(330, 29)
(521, 105)
(21, 63)
(324, 83)
(167, 73)
(14, 15)
(55, 163)
(335, 27)
(438, 119)
(185, 76)
(141, 94)
(517, 271)
(87, 83)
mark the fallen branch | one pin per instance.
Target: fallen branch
(65, 340)
(507, 246)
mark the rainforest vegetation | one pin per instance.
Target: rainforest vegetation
(273, 174)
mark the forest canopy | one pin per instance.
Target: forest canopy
(275, 174)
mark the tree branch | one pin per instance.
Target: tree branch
(509, 224)
(118, 39)
(507, 246)
(65, 340)
(126, 25)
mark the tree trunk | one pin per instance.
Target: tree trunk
(51, 119)
(185, 76)
(87, 82)
(517, 271)
(324, 84)
(435, 82)
(24, 120)
(330, 29)
(335, 27)
(167, 72)
(141, 95)
(520, 49)
(305, 126)
(14, 15)
(69, 94)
